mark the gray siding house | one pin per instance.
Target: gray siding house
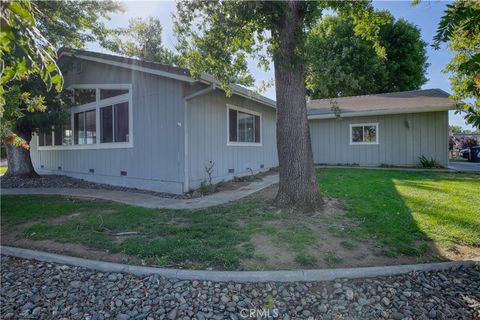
(145, 125)
(149, 126)
(381, 129)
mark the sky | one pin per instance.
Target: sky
(425, 15)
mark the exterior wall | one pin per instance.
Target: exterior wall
(398, 144)
(155, 161)
(207, 139)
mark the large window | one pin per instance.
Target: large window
(85, 127)
(114, 123)
(100, 118)
(365, 133)
(244, 127)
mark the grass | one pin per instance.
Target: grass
(400, 212)
(406, 209)
(213, 237)
(3, 170)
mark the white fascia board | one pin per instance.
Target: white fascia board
(381, 112)
(132, 67)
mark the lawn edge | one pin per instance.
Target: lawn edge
(236, 276)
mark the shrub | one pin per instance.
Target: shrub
(428, 163)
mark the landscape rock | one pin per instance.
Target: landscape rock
(38, 290)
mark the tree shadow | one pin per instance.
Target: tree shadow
(420, 214)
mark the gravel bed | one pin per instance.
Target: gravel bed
(39, 290)
(58, 181)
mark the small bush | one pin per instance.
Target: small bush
(306, 260)
(428, 163)
(207, 188)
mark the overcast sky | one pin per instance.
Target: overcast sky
(426, 16)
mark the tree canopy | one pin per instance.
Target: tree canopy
(31, 33)
(219, 37)
(141, 39)
(459, 28)
(342, 63)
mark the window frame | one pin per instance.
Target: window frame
(248, 111)
(97, 105)
(364, 125)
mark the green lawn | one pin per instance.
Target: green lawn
(3, 170)
(405, 208)
(399, 212)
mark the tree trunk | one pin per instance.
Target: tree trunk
(298, 184)
(19, 160)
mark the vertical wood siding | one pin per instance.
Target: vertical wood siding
(156, 159)
(207, 135)
(398, 145)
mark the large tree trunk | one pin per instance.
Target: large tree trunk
(298, 184)
(19, 160)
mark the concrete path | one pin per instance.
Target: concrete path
(151, 201)
(464, 166)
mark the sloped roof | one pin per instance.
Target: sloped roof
(177, 73)
(384, 103)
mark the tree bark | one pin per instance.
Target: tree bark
(19, 160)
(298, 184)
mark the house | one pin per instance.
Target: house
(381, 129)
(150, 126)
(145, 125)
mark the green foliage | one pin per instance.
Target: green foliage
(459, 28)
(141, 39)
(341, 63)
(31, 30)
(218, 37)
(454, 129)
(25, 51)
(428, 163)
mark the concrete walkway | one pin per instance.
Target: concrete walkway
(151, 201)
(464, 166)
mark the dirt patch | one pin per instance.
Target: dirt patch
(63, 219)
(335, 247)
(75, 250)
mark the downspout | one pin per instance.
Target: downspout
(186, 175)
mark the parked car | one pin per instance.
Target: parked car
(474, 155)
(465, 153)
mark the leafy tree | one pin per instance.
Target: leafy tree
(455, 129)
(459, 28)
(25, 51)
(141, 39)
(219, 36)
(342, 63)
(50, 25)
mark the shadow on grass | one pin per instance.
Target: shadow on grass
(407, 211)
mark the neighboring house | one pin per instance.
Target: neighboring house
(381, 129)
(150, 126)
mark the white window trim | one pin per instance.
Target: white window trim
(243, 144)
(362, 125)
(96, 106)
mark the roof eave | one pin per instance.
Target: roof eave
(382, 112)
(205, 78)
